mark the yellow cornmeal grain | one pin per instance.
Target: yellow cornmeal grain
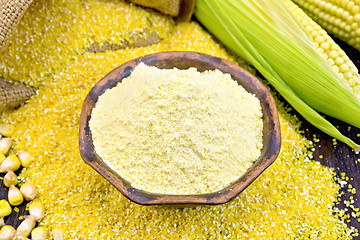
(119, 23)
(293, 199)
(175, 131)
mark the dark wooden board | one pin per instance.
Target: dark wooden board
(343, 159)
(340, 157)
(18, 211)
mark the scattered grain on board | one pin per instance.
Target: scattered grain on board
(294, 198)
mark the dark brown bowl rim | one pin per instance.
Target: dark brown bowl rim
(181, 60)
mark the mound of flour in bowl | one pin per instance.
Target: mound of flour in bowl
(177, 131)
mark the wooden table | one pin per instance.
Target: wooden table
(339, 157)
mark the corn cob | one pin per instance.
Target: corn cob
(268, 35)
(341, 17)
(330, 50)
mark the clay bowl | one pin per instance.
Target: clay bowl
(184, 60)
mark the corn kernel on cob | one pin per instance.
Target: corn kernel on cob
(330, 50)
(341, 18)
(121, 214)
(277, 44)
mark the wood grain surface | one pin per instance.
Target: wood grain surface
(340, 157)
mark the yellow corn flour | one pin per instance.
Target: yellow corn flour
(293, 199)
(177, 131)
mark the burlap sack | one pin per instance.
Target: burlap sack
(10, 15)
(171, 7)
(180, 9)
(13, 94)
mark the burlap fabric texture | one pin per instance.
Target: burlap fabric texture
(10, 15)
(170, 7)
(13, 94)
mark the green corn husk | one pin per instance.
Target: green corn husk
(265, 34)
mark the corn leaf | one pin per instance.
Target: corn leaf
(264, 33)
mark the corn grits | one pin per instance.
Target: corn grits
(293, 199)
